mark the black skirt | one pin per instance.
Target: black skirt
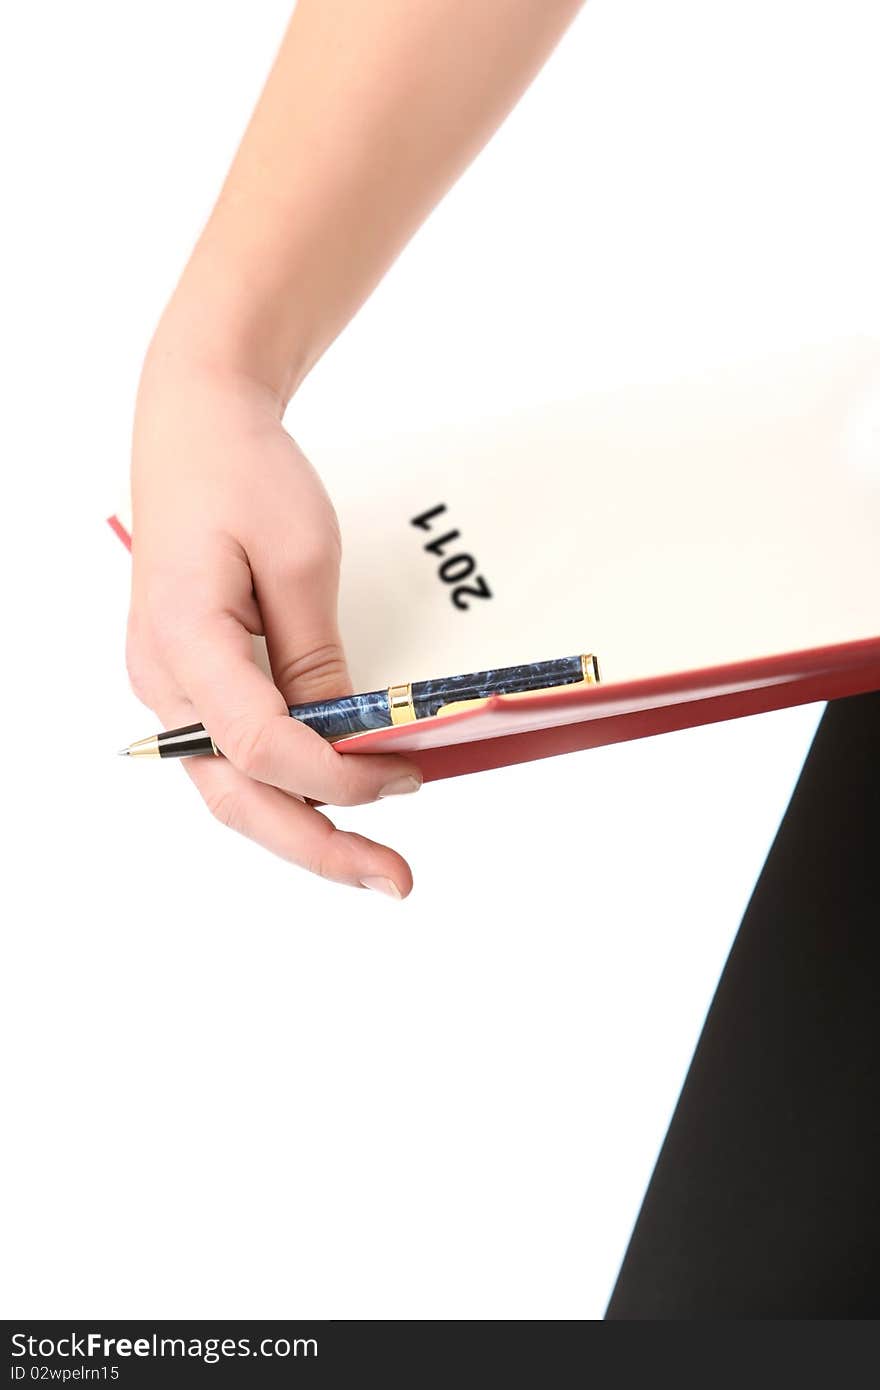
(765, 1200)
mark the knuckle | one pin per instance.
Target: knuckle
(319, 669)
(322, 859)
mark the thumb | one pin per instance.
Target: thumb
(300, 623)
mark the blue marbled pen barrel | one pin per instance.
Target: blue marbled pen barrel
(379, 709)
(355, 714)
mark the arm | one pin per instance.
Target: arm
(369, 114)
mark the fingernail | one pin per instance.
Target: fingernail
(401, 785)
(382, 885)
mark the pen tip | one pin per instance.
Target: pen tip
(124, 753)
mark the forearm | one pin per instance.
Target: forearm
(370, 113)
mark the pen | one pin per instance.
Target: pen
(399, 704)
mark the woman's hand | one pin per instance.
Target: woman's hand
(367, 116)
(235, 535)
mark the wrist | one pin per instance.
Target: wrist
(222, 322)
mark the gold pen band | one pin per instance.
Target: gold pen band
(400, 703)
(590, 668)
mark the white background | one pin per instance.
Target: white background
(235, 1091)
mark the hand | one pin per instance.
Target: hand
(235, 535)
